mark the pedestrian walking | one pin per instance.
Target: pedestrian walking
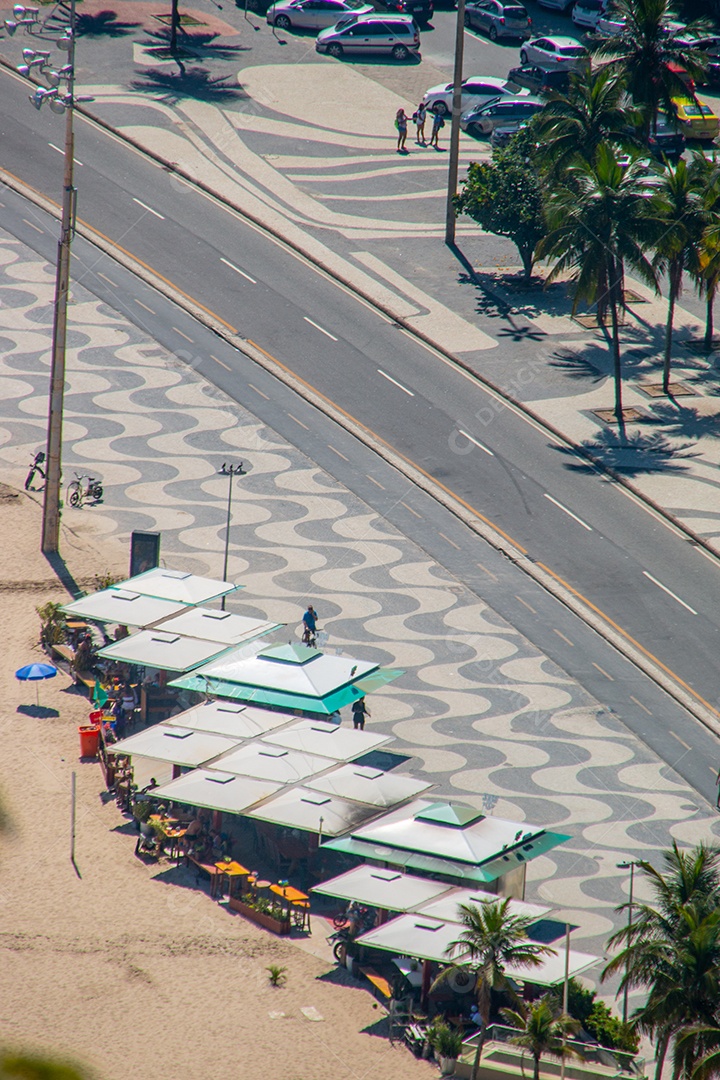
(419, 119)
(401, 122)
(309, 626)
(438, 124)
(359, 711)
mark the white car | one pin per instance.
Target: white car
(560, 53)
(587, 12)
(609, 27)
(475, 91)
(314, 14)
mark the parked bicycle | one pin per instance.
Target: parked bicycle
(78, 492)
(35, 467)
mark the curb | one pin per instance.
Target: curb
(614, 636)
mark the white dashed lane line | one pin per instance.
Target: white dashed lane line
(60, 151)
(148, 208)
(395, 382)
(239, 271)
(669, 592)
(320, 328)
(566, 511)
(475, 442)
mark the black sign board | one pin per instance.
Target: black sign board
(144, 552)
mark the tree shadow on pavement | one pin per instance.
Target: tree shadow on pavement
(684, 421)
(637, 453)
(193, 82)
(103, 24)
(198, 44)
(576, 365)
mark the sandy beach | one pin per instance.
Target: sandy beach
(130, 969)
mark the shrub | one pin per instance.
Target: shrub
(276, 974)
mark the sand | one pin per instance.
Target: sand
(127, 968)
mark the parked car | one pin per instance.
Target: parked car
(695, 118)
(537, 79)
(498, 19)
(475, 91)
(483, 119)
(608, 26)
(709, 44)
(501, 136)
(392, 35)
(557, 5)
(665, 140)
(587, 12)
(313, 14)
(421, 10)
(554, 52)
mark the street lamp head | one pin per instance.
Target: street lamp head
(11, 26)
(54, 77)
(22, 12)
(65, 42)
(41, 95)
(58, 106)
(623, 865)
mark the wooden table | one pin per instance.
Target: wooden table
(233, 871)
(299, 901)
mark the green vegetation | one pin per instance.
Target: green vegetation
(276, 975)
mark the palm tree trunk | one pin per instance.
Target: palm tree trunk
(661, 1052)
(668, 336)
(478, 1052)
(174, 20)
(536, 1070)
(709, 327)
(617, 366)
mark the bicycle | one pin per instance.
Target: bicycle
(77, 493)
(35, 467)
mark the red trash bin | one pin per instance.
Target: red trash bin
(89, 741)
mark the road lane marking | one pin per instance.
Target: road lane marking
(452, 542)
(566, 511)
(526, 604)
(603, 671)
(566, 639)
(239, 271)
(669, 592)
(35, 227)
(410, 509)
(298, 421)
(226, 366)
(330, 447)
(374, 481)
(250, 385)
(100, 274)
(140, 304)
(475, 442)
(183, 335)
(486, 571)
(681, 741)
(57, 148)
(320, 328)
(395, 382)
(643, 707)
(148, 208)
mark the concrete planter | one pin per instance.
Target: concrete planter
(277, 926)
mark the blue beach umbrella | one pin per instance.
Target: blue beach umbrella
(36, 673)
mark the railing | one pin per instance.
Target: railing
(621, 1061)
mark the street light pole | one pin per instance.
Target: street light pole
(455, 125)
(230, 471)
(631, 867)
(51, 501)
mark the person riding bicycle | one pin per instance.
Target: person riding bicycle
(309, 624)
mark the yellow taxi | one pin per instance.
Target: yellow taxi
(695, 118)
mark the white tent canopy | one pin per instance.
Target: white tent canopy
(216, 790)
(124, 607)
(371, 786)
(177, 585)
(415, 936)
(225, 627)
(328, 740)
(386, 889)
(551, 971)
(230, 718)
(311, 811)
(273, 763)
(447, 907)
(174, 745)
(158, 649)
(292, 669)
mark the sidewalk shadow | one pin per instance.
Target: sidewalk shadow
(197, 44)
(194, 82)
(103, 24)
(683, 420)
(635, 454)
(64, 576)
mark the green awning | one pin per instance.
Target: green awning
(375, 681)
(523, 852)
(411, 860)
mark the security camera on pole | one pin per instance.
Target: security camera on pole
(59, 96)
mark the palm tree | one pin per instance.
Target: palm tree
(492, 939)
(599, 222)
(648, 58)
(681, 210)
(593, 111)
(706, 172)
(672, 948)
(543, 1030)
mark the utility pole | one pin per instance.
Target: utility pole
(455, 124)
(230, 471)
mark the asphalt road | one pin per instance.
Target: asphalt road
(643, 575)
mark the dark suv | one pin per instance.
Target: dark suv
(421, 10)
(537, 79)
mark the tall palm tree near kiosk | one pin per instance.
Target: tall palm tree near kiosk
(491, 940)
(601, 222)
(648, 57)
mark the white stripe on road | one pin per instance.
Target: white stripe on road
(475, 442)
(568, 512)
(239, 271)
(54, 147)
(395, 382)
(320, 328)
(669, 592)
(148, 208)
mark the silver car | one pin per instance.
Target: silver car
(498, 19)
(510, 111)
(313, 14)
(392, 35)
(554, 52)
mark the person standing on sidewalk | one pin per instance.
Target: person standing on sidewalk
(359, 711)
(401, 122)
(438, 123)
(419, 117)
